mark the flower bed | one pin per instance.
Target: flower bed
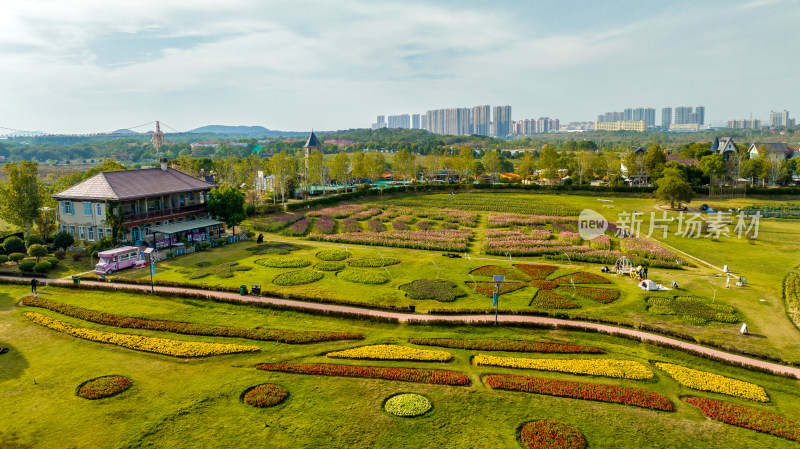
(424, 225)
(582, 277)
(349, 224)
(178, 327)
(265, 395)
(298, 277)
(276, 222)
(488, 288)
(442, 291)
(601, 242)
(440, 239)
(407, 405)
(369, 213)
(507, 345)
(506, 220)
(452, 216)
(551, 434)
(375, 225)
(297, 228)
(342, 211)
(324, 225)
(329, 255)
(363, 276)
(374, 262)
(515, 242)
(494, 270)
(747, 417)
(282, 262)
(701, 380)
(330, 266)
(221, 270)
(692, 310)
(536, 271)
(602, 295)
(528, 204)
(621, 369)
(548, 299)
(421, 375)
(646, 249)
(175, 348)
(273, 249)
(544, 284)
(571, 237)
(581, 390)
(392, 352)
(103, 387)
(401, 224)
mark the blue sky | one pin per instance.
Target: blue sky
(95, 65)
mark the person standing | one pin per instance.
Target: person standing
(645, 272)
(34, 283)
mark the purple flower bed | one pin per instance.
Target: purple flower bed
(375, 225)
(297, 228)
(424, 225)
(647, 249)
(349, 224)
(506, 220)
(601, 242)
(572, 226)
(369, 213)
(571, 237)
(324, 224)
(401, 224)
(276, 222)
(440, 239)
(517, 243)
(342, 211)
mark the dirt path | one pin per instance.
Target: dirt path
(404, 317)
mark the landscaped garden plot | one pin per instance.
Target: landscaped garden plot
(442, 291)
(342, 211)
(506, 220)
(374, 262)
(282, 262)
(223, 270)
(324, 224)
(265, 395)
(330, 266)
(546, 433)
(297, 228)
(429, 376)
(407, 405)
(692, 310)
(529, 204)
(623, 369)
(392, 352)
(704, 381)
(298, 277)
(503, 242)
(435, 239)
(747, 417)
(274, 249)
(103, 387)
(276, 222)
(363, 276)
(333, 255)
(507, 345)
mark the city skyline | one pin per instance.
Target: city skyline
(91, 66)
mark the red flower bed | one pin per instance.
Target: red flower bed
(581, 390)
(103, 387)
(544, 284)
(265, 395)
(507, 345)
(178, 327)
(747, 417)
(582, 277)
(547, 299)
(491, 270)
(428, 376)
(536, 271)
(488, 288)
(604, 295)
(551, 434)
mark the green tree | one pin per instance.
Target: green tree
(375, 164)
(13, 244)
(492, 163)
(316, 169)
(283, 169)
(633, 164)
(38, 251)
(463, 162)
(21, 198)
(340, 168)
(64, 239)
(46, 223)
(359, 165)
(226, 203)
(673, 187)
(548, 162)
(714, 167)
(584, 161)
(654, 160)
(404, 161)
(527, 165)
(611, 167)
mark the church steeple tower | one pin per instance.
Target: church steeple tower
(311, 144)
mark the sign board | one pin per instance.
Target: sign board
(494, 299)
(152, 268)
(499, 278)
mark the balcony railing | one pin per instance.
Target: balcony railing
(164, 212)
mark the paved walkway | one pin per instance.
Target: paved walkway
(405, 317)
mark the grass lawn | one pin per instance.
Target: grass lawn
(196, 402)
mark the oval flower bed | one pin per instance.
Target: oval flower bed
(282, 262)
(166, 346)
(621, 369)
(330, 255)
(103, 387)
(442, 291)
(374, 262)
(747, 417)
(392, 352)
(330, 266)
(421, 375)
(298, 277)
(551, 434)
(581, 390)
(407, 405)
(363, 276)
(701, 380)
(507, 345)
(265, 395)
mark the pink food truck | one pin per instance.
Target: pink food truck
(119, 258)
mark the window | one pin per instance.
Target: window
(108, 232)
(65, 228)
(191, 196)
(99, 209)
(66, 207)
(99, 233)
(91, 233)
(87, 208)
(182, 200)
(82, 232)
(72, 230)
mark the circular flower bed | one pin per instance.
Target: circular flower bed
(407, 404)
(103, 387)
(282, 262)
(442, 291)
(330, 266)
(551, 434)
(298, 277)
(265, 395)
(363, 276)
(374, 262)
(330, 255)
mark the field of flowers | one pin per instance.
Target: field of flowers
(375, 225)
(488, 288)
(407, 405)
(507, 345)
(349, 224)
(165, 346)
(601, 295)
(703, 381)
(401, 224)
(621, 369)
(581, 390)
(449, 215)
(265, 395)
(324, 224)
(178, 327)
(297, 228)
(330, 266)
(516, 242)
(392, 352)
(747, 417)
(506, 220)
(551, 434)
(298, 277)
(221, 270)
(536, 271)
(420, 375)
(341, 211)
(103, 387)
(438, 290)
(646, 249)
(548, 299)
(438, 239)
(529, 204)
(601, 242)
(582, 277)
(276, 222)
(369, 213)
(569, 236)
(692, 310)
(282, 262)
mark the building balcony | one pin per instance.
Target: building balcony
(174, 212)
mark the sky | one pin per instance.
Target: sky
(84, 66)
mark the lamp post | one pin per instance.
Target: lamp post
(496, 296)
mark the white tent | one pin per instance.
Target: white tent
(649, 285)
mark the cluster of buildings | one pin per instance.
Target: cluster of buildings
(685, 118)
(482, 120)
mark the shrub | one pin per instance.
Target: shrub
(27, 265)
(63, 240)
(37, 250)
(221, 242)
(428, 376)
(392, 352)
(333, 255)
(103, 387)
(621, 369)
(701, 380)
(42, 267)
(282, 262)
(52, 261)
(170, 254)
(76, 256)
(205, 245)
(747, 417)
(298, 277)
(551, 434)
(442, 291)
(34, 239)
(16, 257)
(507, 345)
(265, 395)
(363, 276)
(374, 262)
(14, 244)
(60, 253)
(330, 266)
(407, 405)
(3, 259)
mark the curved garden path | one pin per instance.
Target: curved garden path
(405, 317)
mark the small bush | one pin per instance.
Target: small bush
(170, 254)
(52, 261)
(60, 253)
(42, 267)
(282, 262)
(363, 276)
(330, 266)
(76, 256)
(16, 257)
(27, 265)
(14, 245)
(34, 239)
(374, 262)
(205, 245)
(297, 277)
(63, 240)
(330, 255)
(3, 258)
(221, 242)
(37, 250)
(203, 264)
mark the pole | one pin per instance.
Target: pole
(152, 272)
(497, 302)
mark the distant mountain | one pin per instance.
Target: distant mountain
(124, 131)
(222, 129)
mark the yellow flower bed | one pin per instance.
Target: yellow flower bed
(701, 380)
(164, 346)
(392, 352)
(623, 369)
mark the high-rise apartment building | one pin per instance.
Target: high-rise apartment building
(682, 115)
(701, 115)
(415, 122)
(501, 121)
(423, 122)
(666, 118)
(399, 121)
(779, 118)
(628, 114)
(480, 120)
(744, 124)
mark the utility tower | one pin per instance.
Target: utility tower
(158, 138)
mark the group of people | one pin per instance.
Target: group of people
(639, 272)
